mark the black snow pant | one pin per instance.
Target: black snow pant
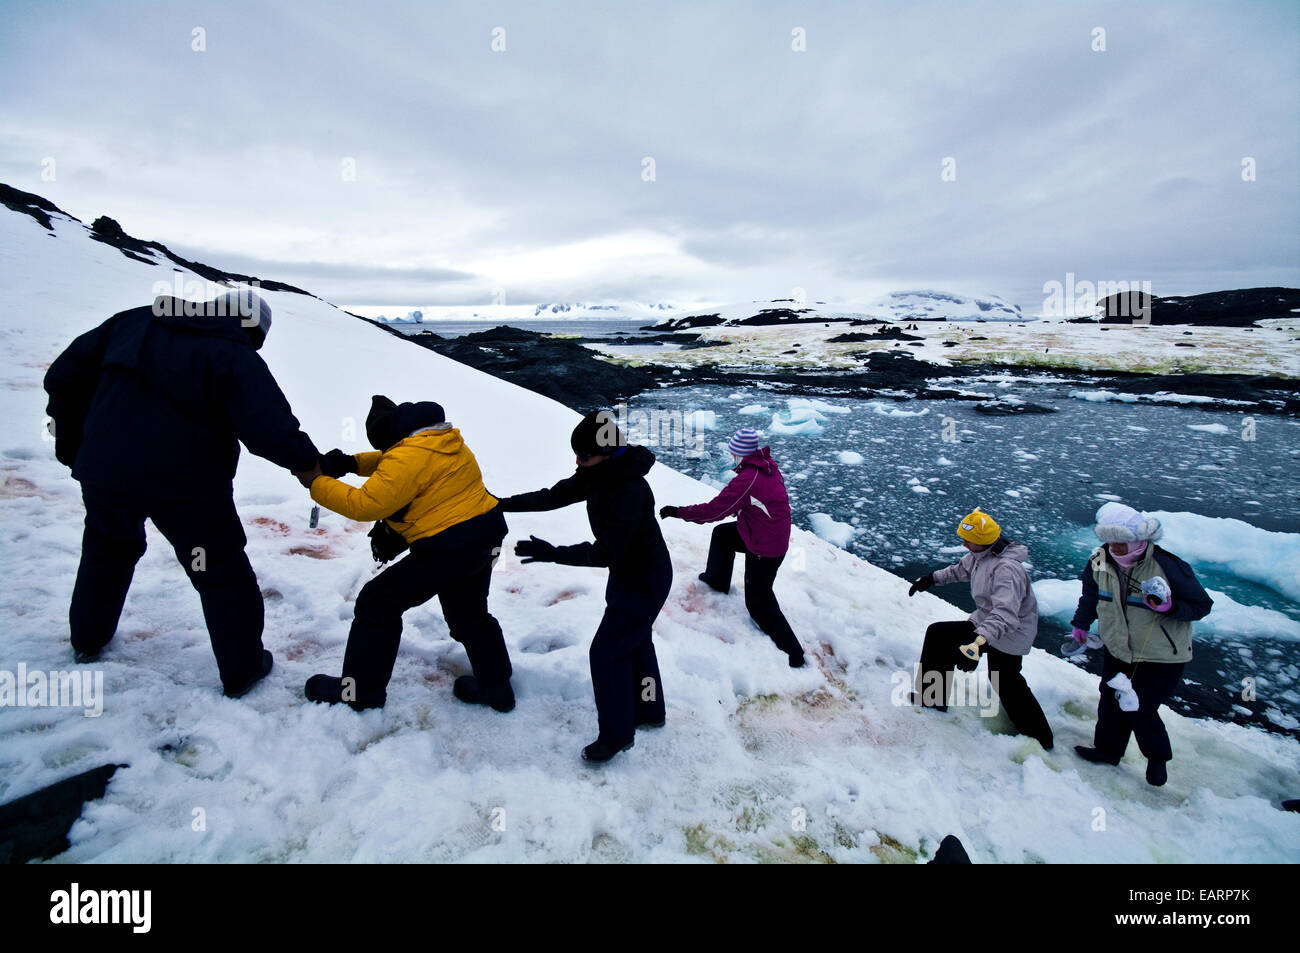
(208, 539)
(760, 574)
(456, 566)
(624, 667)
(941, 652)
(1154, 682)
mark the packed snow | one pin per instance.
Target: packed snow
(758, 762)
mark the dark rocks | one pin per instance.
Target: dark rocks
(1225, 309)
(31, 204)
(559, 368)
(890, 332)
(108, 231)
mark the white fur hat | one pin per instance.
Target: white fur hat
(1117, 523)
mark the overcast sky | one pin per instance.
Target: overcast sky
(524, 170)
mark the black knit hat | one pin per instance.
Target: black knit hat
(379, 428)
(597, 435)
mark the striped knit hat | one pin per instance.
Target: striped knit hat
(743, 442)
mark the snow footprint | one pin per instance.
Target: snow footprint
(200, 756)
(542, 643)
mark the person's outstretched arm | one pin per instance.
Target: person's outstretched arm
(616, 537)
(261, 417)
(732, 498)
(957, 572)
(567, 491)
(394, 482)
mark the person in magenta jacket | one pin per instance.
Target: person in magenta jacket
(756, 496)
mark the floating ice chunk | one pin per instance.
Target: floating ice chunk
(1101, 396)
(820, 406)
(944, 462)
(831, 530)
(752, 410)
(887, 410)
(1260, 555)
(698, 420)
(1282, 719)
(1210, 428)
(850, 457)
(919, 488)
(798, 423)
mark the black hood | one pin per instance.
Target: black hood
(628, 463)
(387, 423)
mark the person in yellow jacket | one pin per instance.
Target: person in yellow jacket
(425, 487)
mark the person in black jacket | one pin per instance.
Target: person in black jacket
(620, 507)
(148, 410)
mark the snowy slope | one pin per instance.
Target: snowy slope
(751, 746)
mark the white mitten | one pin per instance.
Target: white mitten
(1156, 588)
(1128, 696)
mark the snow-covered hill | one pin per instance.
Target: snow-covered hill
(506, 313)
(896, 306)
(758, 762)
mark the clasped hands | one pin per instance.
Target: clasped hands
(333, 464)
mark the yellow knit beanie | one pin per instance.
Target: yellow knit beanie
(979, 528)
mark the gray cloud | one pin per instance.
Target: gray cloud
(774, 168)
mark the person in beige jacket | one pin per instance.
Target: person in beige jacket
(1144, 600)
(1002, 627)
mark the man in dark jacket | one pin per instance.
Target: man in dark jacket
(148, 410)
(620, 507)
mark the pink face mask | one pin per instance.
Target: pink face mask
(1135, 552)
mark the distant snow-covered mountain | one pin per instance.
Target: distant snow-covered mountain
(549, 311)
(896, 306)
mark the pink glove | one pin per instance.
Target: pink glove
(1159, 606)
(1079, 635)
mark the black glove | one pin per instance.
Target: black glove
(337, 462)
(535, 550)
(386, 543)
(666, 511)
(922, 584)
(506, 503)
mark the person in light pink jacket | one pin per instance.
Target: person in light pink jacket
(757, 497)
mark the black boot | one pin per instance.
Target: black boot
(500, 697)
(239, 691)
(328, 690)
(1156, 773)
(705, 579)
(1093, 755)
(599, 751)
(84, 657)
(797, 661)
(649, 722)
